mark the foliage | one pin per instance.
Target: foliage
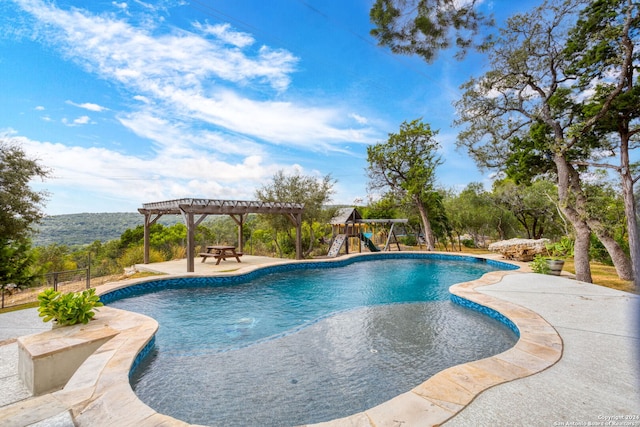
(314, 193)
(20, 205)
(386, 207)
(468, 243)
(424, 27)
(69, 308)
(539, 265)
(135, 255)
(55, 258)
(533, 205)
(531, 96)
(473, 212)
(20, 210)
(17, 263)
(562, 248)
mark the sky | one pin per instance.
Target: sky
(131, 102)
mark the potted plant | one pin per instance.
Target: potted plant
(539, 265)
(69, 308)
(554, 261)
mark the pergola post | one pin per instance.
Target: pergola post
(148, 222)
(146, 238)
(190, 242)
(239, 220)
(298, 236)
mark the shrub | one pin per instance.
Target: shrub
(409, 240)
(539, 265)
(70, 308)
(468, 243)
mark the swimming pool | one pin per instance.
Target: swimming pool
(304, 343)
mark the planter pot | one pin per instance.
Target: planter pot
(555, 265)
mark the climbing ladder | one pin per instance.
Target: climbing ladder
(336, 245)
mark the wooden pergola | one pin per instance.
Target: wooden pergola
(193, 211)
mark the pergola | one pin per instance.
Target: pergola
(193, 211)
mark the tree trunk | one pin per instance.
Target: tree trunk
(428, 233)
(619, 258)
(629, 204)
(583, 233)
(311, 241)
(275, 241)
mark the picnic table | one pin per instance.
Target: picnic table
(220, 252)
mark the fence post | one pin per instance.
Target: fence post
(88, 270)
(55, 281)
(3, 297)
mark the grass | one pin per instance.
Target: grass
(601, 274)
(19, 307)
(604, 275)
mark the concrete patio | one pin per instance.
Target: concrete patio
(588, 374)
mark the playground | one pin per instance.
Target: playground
(352, 233)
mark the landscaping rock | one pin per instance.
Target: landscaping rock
(520, 249)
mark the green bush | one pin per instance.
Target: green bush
(70, 308)
(539, 265)
(409, 240)
(468, 243)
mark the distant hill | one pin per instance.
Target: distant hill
(86, 228)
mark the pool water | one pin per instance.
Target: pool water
(312, 345)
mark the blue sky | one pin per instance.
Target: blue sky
(138, 101)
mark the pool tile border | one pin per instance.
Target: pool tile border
(99, 393)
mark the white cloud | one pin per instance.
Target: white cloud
(39, 108)
(134, 56)
(82, 120)
(225, 34)
(89, 106)
(173, 138)
(196, 78)
(358, 118)
(109, 174)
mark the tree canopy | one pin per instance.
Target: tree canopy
(20, 205)
(20, 210)
(314, 193)
(425, 27)
(532, 95)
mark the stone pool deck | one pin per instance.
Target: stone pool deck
(576, 363)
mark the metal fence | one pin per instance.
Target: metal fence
(63, 281)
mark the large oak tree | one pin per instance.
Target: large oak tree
(531, 84)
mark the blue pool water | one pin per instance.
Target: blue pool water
(307, 345)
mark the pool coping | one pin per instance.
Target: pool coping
(99, 393)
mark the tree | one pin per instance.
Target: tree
(406, 164)
(20, 210)
(20, 205)
(424, 27)
(532, 205)
(603, 45)
(529, 86)
(314, 193)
